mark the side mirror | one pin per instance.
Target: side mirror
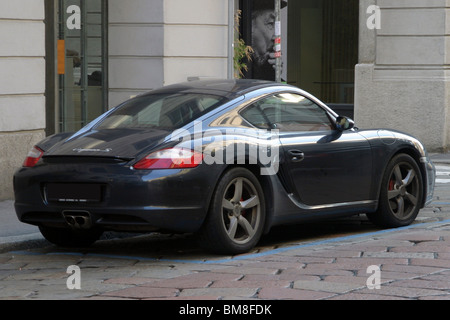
(344, 123)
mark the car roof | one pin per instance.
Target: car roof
(229, 88)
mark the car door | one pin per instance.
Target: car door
(319, 165)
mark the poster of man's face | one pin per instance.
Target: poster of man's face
(263, 38)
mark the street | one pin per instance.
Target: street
(338, 259)
(208, 124)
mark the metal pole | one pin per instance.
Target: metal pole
(62, 104)
(278, 40)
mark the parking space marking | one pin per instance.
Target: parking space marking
(442, 174)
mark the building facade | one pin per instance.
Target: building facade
(64, 62)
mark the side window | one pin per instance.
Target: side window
(287, 112)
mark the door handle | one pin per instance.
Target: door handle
(296, 155)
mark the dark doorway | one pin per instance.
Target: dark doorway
(322, 47)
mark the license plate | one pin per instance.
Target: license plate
(67, 192)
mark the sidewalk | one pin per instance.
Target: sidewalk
(411, 263)
(13, 233)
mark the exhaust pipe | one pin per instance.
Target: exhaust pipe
(78, 219)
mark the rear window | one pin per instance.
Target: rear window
(168, 111)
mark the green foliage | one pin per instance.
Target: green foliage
(242, 52)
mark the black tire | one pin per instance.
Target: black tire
(69, 238)
(236, 217)
(400, 195)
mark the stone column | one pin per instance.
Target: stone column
(195, 40)
(136, 48)
(403, 76)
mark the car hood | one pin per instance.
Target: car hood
(117, 143)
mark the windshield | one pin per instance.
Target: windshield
(165, 111)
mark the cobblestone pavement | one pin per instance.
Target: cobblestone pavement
(340, 260)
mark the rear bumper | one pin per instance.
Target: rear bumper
(172, 200)
(133, 219)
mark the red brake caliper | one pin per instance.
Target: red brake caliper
(391, 185)
(242, 211)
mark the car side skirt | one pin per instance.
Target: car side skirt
(358, 204)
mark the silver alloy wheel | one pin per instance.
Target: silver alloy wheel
(241, 210)
(403, 191)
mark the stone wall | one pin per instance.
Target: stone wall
(160, 42)
(22, 85)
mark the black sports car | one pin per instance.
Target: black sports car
(226, 159)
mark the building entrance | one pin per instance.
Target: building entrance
(82, 62)
(319, 46)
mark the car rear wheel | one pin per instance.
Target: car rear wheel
(401, 193)
(236, 217)
(67, 237)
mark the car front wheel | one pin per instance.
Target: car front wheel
(401, 193)
(236, 216)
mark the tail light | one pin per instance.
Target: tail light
(33, 157)
(173, 158)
